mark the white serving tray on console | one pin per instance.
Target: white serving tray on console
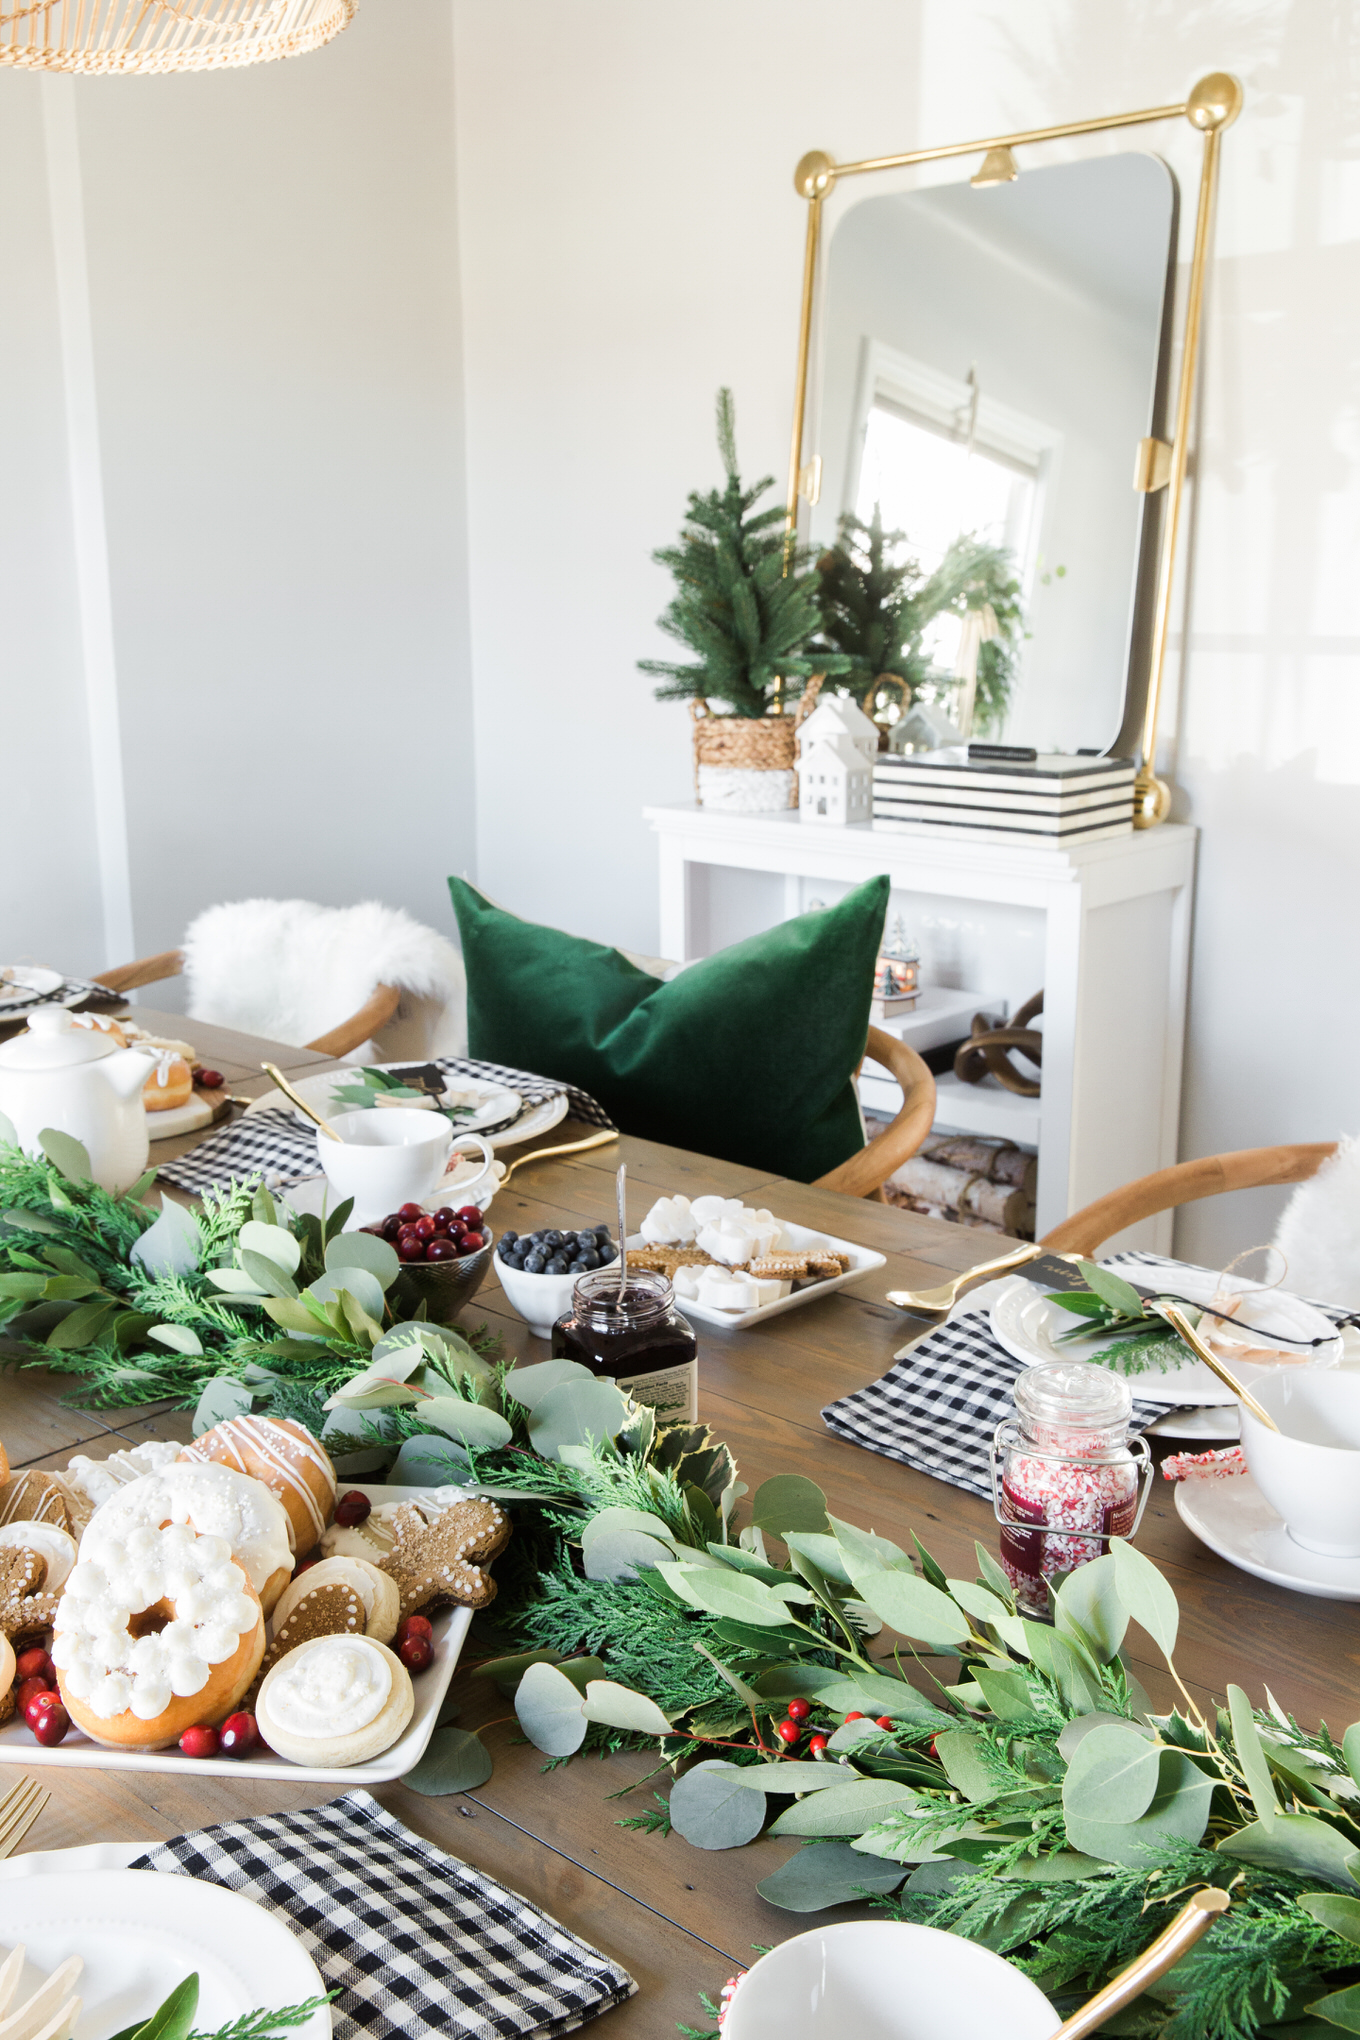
(77, 1752)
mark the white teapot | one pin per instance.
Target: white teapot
(77, 1080)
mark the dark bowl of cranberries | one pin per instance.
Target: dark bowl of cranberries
(444, 1255)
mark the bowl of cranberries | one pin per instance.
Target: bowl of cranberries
(444, 1254)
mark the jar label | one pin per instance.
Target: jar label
(671, 1391)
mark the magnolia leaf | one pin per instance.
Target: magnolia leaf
(1342, 1915)
(222, 1398)
(1341, 2008)
(1077, 1730)
(292, 1314)
(576, 1413)
(828, 1873)
(275, 1242)
(529, 1385)
(1120, 1296)
(67, 1155)
(82, 1327)
(910, 1605)
(172, 2020)
(864, 1547)
(620, 1707)
(844, 1809)
(619, 1553)
(1148, 1597)
(1112, 1776)
(824, 1553)
(508, 1671)
(720, 1592)
(1179, 1811)
(474, 1425)
(606, 1521)
(788, 1502)
(1350, 1750)
(364, 1250)
(454, 1761)
(581, 1670)
(177, 1337)
(551, 1711)
(365, 1288)
(1088, 1607)
(714, 1807)
(172, 1246)
(1299, 1843)
(23, 1287)
(1251, 1755)
(429, 1462)
(235, 1282)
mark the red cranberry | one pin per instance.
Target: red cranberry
(473, 1242)
(471, 1217)
(414, 1625)
(417, 1653)
(410, 1212)
(787, 1731)
(424, 1227)
(441, 1248)
(445, 1218)
(817, 1745)
(354, 1507)
(48, 1719)
(29, 1689)
(410, 1246)
(199, 1742)
(799, 1710)
(211, 1080)
(239, 1735)
(303, 1565)
(390, 1226)
(35, 1664)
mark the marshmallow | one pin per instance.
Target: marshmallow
(710, 1210)
(685, 1282)
(729, 1242)
(669, 1223)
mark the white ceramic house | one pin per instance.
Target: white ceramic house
(837, 715)
(835, 782)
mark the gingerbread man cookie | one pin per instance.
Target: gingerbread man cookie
(439, 1564)
(25, 1610)
(326, 1611)
(37, 1497)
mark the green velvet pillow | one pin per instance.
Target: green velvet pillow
(748, 1055)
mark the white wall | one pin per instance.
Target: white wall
(631, 240)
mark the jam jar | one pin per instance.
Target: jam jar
(1065, 1477)
(638, 1340)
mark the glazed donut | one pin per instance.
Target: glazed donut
(218, 1502)
(335, 1701)
(286, 1458)
(157, 1631)
(52, 1545)
(376, 1590)
(170, 1084)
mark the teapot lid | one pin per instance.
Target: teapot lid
(54, 1041)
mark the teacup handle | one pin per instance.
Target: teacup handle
(462, 1140)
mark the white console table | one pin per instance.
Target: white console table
(1103, 927)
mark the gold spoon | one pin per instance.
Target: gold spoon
(295, 1098)
(1190, 1922)
(1180, 1323)
(572, 1147)
(946, 1296)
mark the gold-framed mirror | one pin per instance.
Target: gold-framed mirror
(991, 360)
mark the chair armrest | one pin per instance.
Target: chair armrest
(1185, 1183)
(373, 1014)
(865, 1173)
(126, 977)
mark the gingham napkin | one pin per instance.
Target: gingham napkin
(937, 1407)
(417, 1944)
(274, 1145)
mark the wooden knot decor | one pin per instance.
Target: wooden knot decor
(988, 1053)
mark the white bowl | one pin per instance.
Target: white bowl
(540, 1299)
(884, 1980)
(1309, 1470)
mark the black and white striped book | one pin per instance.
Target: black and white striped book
(1054, 798)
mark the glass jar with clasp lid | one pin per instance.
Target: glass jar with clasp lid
(1065, 1475)
(636, 1338)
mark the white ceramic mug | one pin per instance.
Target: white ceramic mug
(1309, 1470)
(385, 1158)
(471, 1186)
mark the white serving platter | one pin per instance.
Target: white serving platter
(77, 1752)
(502, 1116)
(863, 1261)
(140, 1933)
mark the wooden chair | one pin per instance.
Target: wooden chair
(375, 1012)
(865, 1173)
(1167, 1189)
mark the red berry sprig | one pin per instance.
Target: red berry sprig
(200, 1741)
(799, 1710)
(239, 1735)
(817, 1745)
(787, 1731)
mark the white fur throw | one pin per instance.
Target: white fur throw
(292, 971)
(1319, 1231)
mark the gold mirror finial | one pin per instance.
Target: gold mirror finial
(998, 167)
(1214, 102)
(815, 175)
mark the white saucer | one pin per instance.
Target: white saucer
(1234, 1519)
(1208, 1425)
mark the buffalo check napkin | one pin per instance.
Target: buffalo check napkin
(416, 1943)
(274, 1145)
(939, 1404)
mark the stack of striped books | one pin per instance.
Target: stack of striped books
(1053, 800)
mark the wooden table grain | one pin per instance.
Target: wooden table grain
(682, 1920)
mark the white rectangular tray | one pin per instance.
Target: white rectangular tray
(863, 1261)
(77, 1752)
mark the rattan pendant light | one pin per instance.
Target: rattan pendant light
(93, 36)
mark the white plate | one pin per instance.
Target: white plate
(140, 1933)
(1027, 1320)
(1234, 1519)
(22, 983)
(863, 1260)
(1207, 1425)
(79, 1753)
(500, 1104)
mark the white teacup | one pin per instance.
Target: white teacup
(385, 1158)
(1309, 1470)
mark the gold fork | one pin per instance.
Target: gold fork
(572, 1147)
(947, 1295)
(19, 1808)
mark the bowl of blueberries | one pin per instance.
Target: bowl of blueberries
(539, 1270)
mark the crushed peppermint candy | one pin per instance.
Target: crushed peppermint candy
(1219, 1465)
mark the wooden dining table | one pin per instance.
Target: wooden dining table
(680, 1919)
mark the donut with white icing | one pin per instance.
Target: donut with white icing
(170, 1084)
(334, 1701)
(97, 1479)
(286, 1457)
(217, 1502)
(158, 1629)
(376, 1589)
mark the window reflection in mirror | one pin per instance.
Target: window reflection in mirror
(990, 365)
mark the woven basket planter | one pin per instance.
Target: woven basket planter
(745, 764)
(163, 35)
